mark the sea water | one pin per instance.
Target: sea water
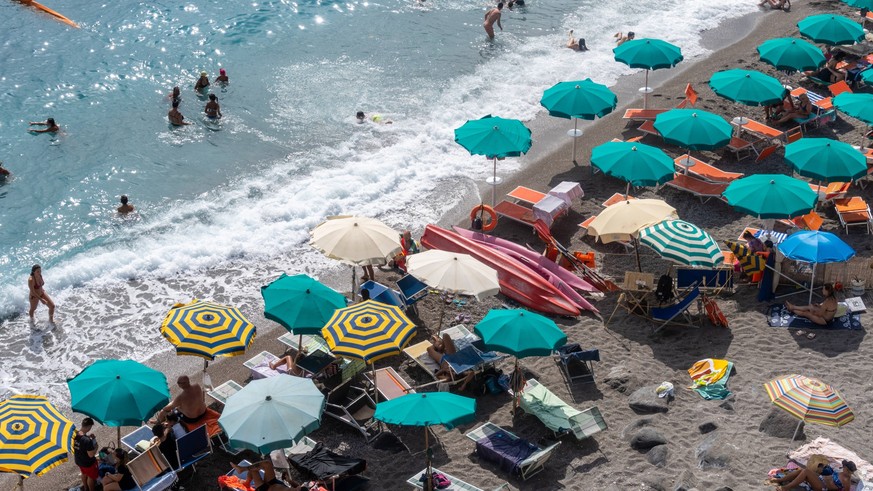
(224, 208)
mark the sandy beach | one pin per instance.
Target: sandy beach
(739, 454)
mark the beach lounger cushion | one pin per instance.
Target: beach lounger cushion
(854, 212)
(512, 453)
(322, 463)
(526, 195)
(701, 189)
(557, 415)
(702, 170)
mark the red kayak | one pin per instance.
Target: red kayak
(517, 281)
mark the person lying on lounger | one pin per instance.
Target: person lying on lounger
(820, 313)
(822, 478)
(776, 111)
(269, 482)
(440, 347)
(801, 111)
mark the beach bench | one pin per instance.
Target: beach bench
(558, 416)
(707, 172)
(854, 212)
(698, 187)
(567, 191)
(417, 482)
(511, 452)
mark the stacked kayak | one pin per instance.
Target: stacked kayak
(526, 277)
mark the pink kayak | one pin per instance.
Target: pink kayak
(538, 259)
(517, 281)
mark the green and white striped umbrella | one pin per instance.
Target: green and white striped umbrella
(682, 242)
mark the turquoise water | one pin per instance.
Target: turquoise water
(222, 210)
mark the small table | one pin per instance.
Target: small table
(221, 393)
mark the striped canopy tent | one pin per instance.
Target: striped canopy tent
(809, 400)
(34, 436)
(207, 330)
(749, 261)
(683, 242)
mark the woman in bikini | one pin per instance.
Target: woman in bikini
(35, 284)
(801, 111)
(822, 478)
(820, 313)
(439, 348)
(269, 482)
(290, 362)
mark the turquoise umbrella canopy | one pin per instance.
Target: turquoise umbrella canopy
(694, 129)
(747, 87)
(861, 4)
(427, 409)
(583, 99)
(520, 333)
(831, 29)
(494, 137)
(272, 413)
(650, 54)
(826, 159)
(300, 303)
(118, 392)
(858, 106)
(791, 54)
(771, 196)
(634, 162)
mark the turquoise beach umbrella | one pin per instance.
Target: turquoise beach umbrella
(867, 76)
(520, 333)
(748, 87)
(637, 163)
(831, 29)
(300, 303)
(272, 413)
(858, 106)
(826, 159)
(494, 138)
(791, 54)
(583, 99)
(771, 196)
(694, 129)
(118, 392)
(651, 54)
(861, 4)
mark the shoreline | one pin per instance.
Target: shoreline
(541, 169)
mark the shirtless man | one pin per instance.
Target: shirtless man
(491, 17)
(191, 402)
(212, 109)
(50, 126)
(175, 117)
(125, 207)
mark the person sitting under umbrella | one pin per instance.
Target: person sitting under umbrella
(438, 350)
(269, 482)
(290, 362)
(165, 439)
(801, 111)
(820, 313)
(191, 405)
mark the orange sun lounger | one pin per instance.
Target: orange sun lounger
(698, 187)
(762, 130)
(705, 171)
(526, 195)
(854, 212)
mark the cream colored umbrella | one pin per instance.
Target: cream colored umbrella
(455, 273)
(359, 241)
(623, 220)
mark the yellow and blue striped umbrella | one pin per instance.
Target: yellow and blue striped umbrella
(749, 261)
(34, 436)
(207, 330)
(368, 331)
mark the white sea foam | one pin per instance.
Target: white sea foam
(227, 242)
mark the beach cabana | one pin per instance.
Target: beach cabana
(582, 99)
(34, 436)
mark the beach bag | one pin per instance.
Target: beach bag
(664, 291)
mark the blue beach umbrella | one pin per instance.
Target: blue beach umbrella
(815, 247)
(582, 99)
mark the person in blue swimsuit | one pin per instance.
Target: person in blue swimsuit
(822, 478)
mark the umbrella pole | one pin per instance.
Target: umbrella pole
(20, 482)
(646, 92)
(796, 430)
(637, 251)
(494, 182)
(117, 437)
(299, 346)
(812, 283)
(627, 190)
(575, 135)
(375, 384)
(428, 472)
(207, 380)
(442, 313)
(354, 284)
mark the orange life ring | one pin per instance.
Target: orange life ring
(490, 224)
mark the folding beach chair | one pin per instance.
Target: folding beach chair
(763, 131)
(558, 416)
(712, 280)
(741, 148)
(648, 127)
(417, 482)
(576, 363)
(766, 152)
(794, 134)
(459, 334)
(141, 434)
(839, 87)
(662, 316)
(353, 406)
(389, 384)
(411, 290)
(383, 294)
(501, 446)
(193, 447)
(151, 471)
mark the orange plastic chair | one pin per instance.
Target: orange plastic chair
(766, 152)
(690, 95)
(794, 134)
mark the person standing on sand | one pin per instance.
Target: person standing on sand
(35, 284)
(84, 451)
(175, 117)
(491, 17)
(125, 207)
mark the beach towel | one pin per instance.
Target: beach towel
(469, 358)
(712, 385)
(779, 316)
(835, 454)
(505, 451)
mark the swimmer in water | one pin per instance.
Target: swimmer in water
(175, 117)
(491, 17)
(51, 126)
(222, 77)
(621, 39)
(4, 173)
(376, 118)
(574, 44)
(212, 109)
(125, 207)
(202, 82)
(176, 95)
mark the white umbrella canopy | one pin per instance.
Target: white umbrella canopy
(454, 272)
(355, 240)
(622, 221)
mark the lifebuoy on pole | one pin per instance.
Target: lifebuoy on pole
(492, 220)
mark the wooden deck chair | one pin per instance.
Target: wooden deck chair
(839, 87)
(766, 152)
(525, 469)
(698, 187)
(526, 195)
(854, 212)
(662, 316)
(705, 171)
(648, 127)
(558, 416)
(794, 134)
